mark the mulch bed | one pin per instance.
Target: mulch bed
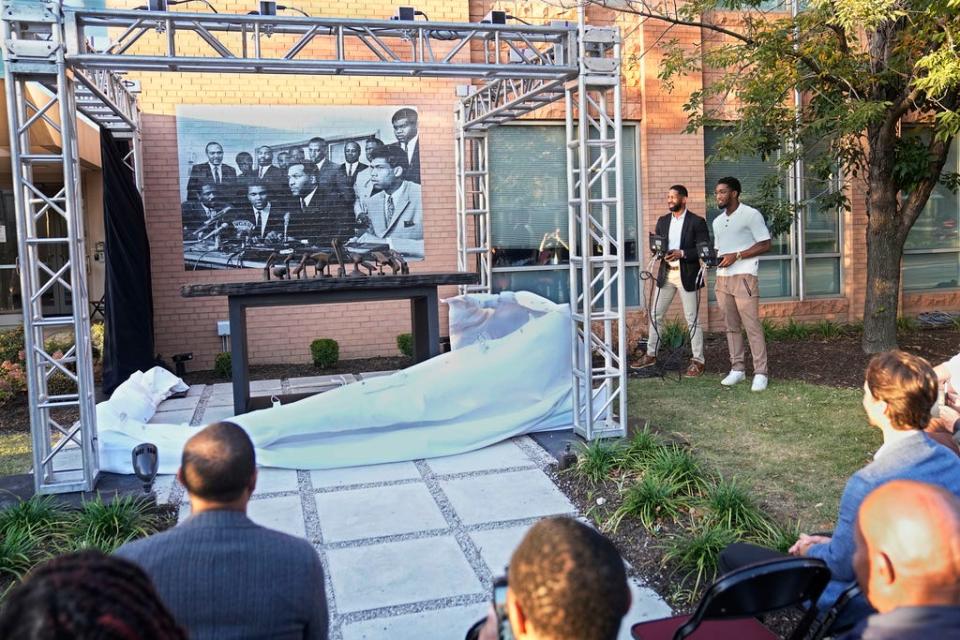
(836, 362)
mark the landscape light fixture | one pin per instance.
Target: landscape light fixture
(146, 461)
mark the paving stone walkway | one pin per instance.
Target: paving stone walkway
(410, 548)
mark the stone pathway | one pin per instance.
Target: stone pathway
(410, 548)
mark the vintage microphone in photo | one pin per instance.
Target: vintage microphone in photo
(223, 226)
(286, 223)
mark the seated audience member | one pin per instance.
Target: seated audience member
(87, 596)
(899, 391)
(222, 575)
(565, 581)
(907, 562)
(947, 410)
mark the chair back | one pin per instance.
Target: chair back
(762, 588)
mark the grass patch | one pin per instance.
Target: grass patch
(728, 505)
(675, 464)
(106, 526)
(697, 551)
(15, 456)
(651, 499)
(793, 447)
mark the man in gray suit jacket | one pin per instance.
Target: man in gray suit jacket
(394, 214)
(220, 574)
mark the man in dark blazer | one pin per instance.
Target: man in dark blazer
(265, 217)
(405, 127)
(679, 271)
(351, 163)
(220, 574)
(204, 215)
(212, 171)
(316, 215)
(331, 178)
(273, 177)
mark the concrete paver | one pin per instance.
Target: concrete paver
(505, 496)
(378, 511)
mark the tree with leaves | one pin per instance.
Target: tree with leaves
(867, 89)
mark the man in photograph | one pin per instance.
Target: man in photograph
(352, 165)
(266, 172)
(205, 214)
(363, 186)
(408, 140)
(267, 224)
(212, 171)
(315, 215)
(283, 161)
(244, 166)
(393, 215)
(740, 234)
(330, 176)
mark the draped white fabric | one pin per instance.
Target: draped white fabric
(508, 374)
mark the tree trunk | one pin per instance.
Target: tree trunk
(884, 249)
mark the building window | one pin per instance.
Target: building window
(9, 280)
(932, 252)
(778, 273)
(529, 213)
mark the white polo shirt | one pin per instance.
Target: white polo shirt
(739, 231)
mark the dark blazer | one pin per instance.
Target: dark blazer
(910, 623)
(274, 177)
(325, 217)
(223, 576)
(200, 173)
(274, 221)
(352, 180)
(694, 232)
(332, 180)
(413, 171)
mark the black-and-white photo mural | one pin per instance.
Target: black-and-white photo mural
(257, 182)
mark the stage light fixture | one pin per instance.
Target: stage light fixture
(180, 360)
(268, 7)
(157, 5)
(495, 17)
(407, 14)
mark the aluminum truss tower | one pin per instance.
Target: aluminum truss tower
(520, 67)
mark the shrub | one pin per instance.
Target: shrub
(728, 505)
(651, 499)
(96, 340)
(11, 345)
(39, 511)
(325, 352)
(13, 381)
(697, 552)
(104, 526)
(678, 465)
(223, 365)
(771, 330)
(828, 329)
(672, 334)
(795, 330)
(641, 448)
(19, 551)
(595, 460)
(405, 344)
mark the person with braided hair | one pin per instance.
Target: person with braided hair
(87, 596)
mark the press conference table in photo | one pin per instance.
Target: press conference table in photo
(419, 288)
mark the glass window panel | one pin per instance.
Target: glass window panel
(774, 278)
(821, 276)
(528, 195)
(9, 290)
(931, 270)
(750, 171)
(8, 232)
(938, 223)
(821, 232)
(553, 284)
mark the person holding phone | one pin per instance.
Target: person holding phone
(566, 580)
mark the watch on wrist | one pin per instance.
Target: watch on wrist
(738, 255)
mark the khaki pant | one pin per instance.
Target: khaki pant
(739, 300)
(664, 298)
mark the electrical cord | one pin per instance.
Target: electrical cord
(172, 3)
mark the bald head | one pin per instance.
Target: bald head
(218, 464)
(908, 546)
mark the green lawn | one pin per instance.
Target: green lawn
(14, 453)
(794, 445)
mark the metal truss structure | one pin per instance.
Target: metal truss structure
(517, 68)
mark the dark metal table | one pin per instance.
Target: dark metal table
(419, 288)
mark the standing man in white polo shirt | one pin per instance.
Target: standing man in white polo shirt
(740, 235)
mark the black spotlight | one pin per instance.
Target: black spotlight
(146, 460)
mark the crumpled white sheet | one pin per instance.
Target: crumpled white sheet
(508, 374)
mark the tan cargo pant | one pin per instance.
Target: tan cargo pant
(739, 300)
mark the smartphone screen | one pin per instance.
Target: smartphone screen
(500, 606)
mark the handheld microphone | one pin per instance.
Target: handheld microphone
(286, 223)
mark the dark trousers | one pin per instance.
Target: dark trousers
(740, 554)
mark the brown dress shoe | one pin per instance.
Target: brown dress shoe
(694, 370)
(645, 360)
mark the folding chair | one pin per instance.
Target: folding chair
(730, 604)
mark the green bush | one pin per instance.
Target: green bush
(223, 365)
(325, 352)
(405, 344)
(828, 329)
(106, 526)
(11, 345)
(595, 460)
(672, 334)
(13, 381)
(653, 498)
(697, 551)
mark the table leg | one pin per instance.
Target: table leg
(238, 357)
(425, 325)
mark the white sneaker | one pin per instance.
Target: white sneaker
(733, 378)
(759, 382)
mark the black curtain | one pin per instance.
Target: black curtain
(128, 335)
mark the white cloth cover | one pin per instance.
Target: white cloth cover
(508, 374)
